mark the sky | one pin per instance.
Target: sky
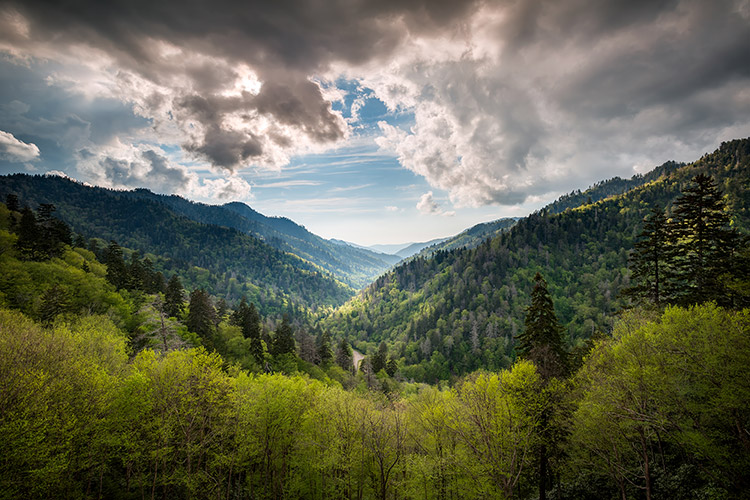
(371, 121)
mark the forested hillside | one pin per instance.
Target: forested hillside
(460, 310)
(223, 260)
(118, 383)
(356, 267)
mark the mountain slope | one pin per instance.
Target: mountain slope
(460, 310)
(224, 260)
(353, 266)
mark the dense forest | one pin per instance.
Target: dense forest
(460, 310)
(598, 353)
(225, 261)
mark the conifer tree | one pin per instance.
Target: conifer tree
(117, 273)
(174, 297)
(11, 202)
(323, 341)
(542, 343)
(705, 244)
(283, 341)
(344, 355)
(201, 317)
(542, 339)
(380, 358)
(28, 235)
(650, 261)
(247, 318)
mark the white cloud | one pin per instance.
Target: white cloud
(16, 151)
(428, 206)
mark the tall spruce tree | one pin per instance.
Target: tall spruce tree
(117, 272)
(323, 347)
(542, 343)
(174, 297)
(344, 355)
(705, 244)
(247, 318)
(201, 318)
(650, 261)
(283, 341)
(542, 339)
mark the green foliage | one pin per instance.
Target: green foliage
(459, 311)
(541, 340)
(668, 395)
(225, 261)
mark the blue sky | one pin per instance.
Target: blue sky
(379, 123)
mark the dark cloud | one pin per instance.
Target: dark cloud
(510, 97)
(149, 169)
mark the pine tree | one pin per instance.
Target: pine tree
(247, 318)
(344, 355)
(201, 317)
(11, 202)
(542, 339)
(542, 343)
(283, 341)
(28, 235)
(325, 353)
(705, 244)
(117, 273)
(380, 358)
(650, 261)
(174, 297)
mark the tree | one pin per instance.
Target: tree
(344, 355)
(201, 318)
(28, 235)
(542, 343)
(174, 297)
(247, 318)
(650, 261)
(323, 341)
(283, 341)
(11, 202)
(117, 273)
(380, 358)
(542, 339)
(705, 244)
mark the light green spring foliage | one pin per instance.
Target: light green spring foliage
(680, 384)
(81, 418)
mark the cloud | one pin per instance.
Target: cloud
(428, 206)
(510, 100)
(16, 151)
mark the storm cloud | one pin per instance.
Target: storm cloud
(511, 99)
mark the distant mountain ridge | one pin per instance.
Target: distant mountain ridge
(353, 266)
(186, 238)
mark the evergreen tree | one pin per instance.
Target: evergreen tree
(174, 297)
(325, 353)
(247, 318)
(117, 273)
(11, 202)
(542, 343)
(201, 318)
(28, 235)
(344, 355)
(380, 358)
(283, 341)
(542, 339)
(650, 261)
(705, 243)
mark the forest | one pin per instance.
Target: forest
(599, 352)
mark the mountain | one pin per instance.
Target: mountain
(415, 248)
(471, 237)
(354, 266)
(225, 260)
(390, 248)
(459, 310)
